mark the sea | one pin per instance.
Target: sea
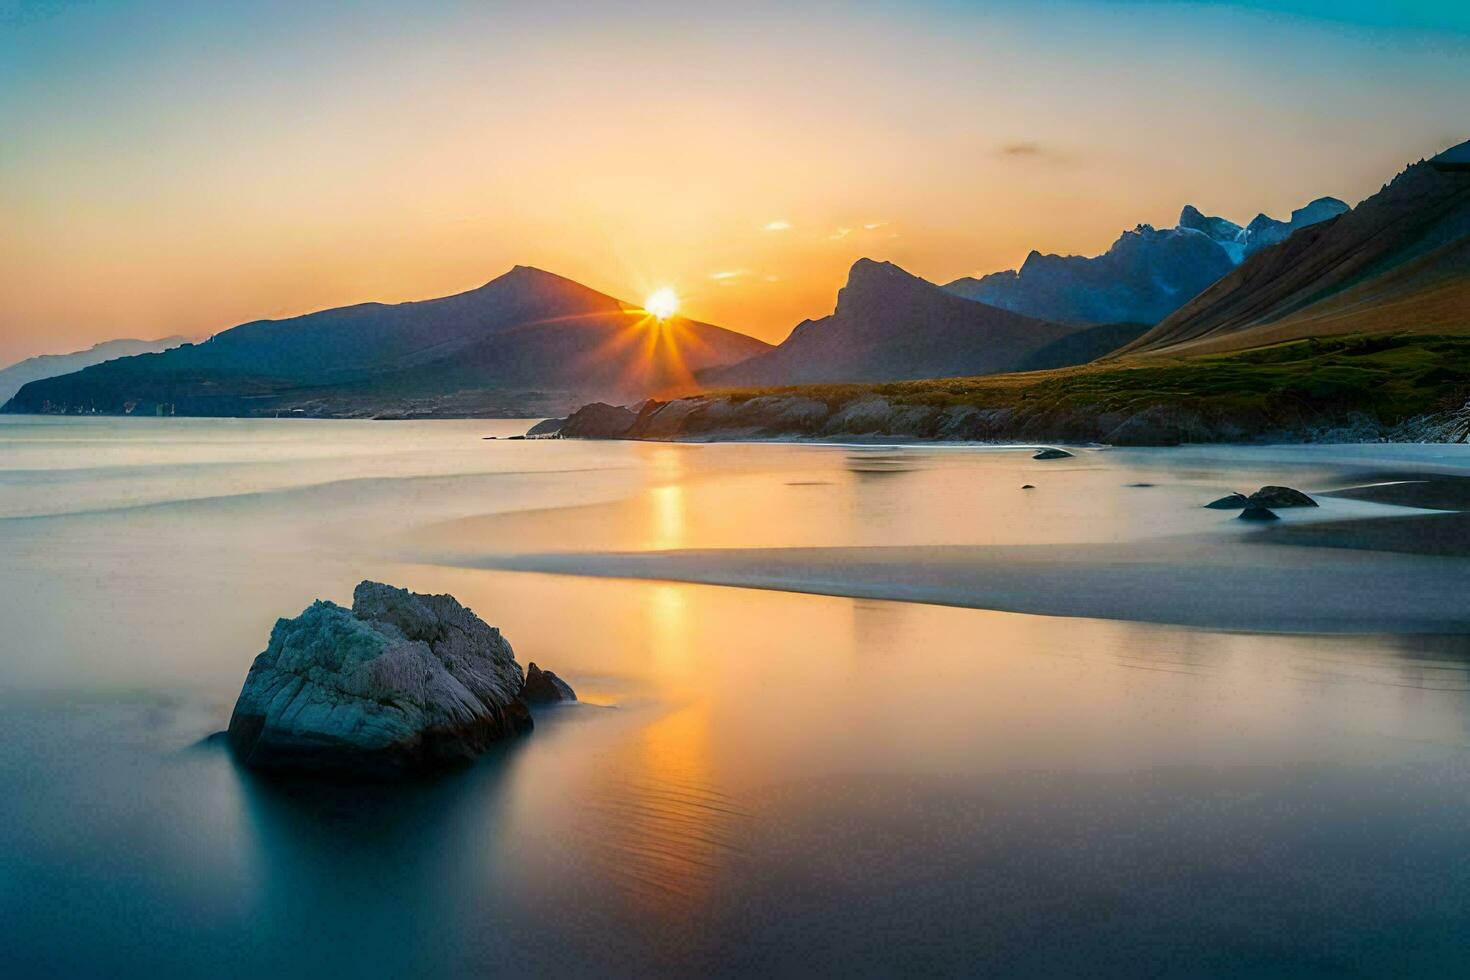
(757, 778)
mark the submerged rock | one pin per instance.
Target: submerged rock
(399, 682)
(1233, 501)
(1254, 513)
(1280, 497)
(1052, 453)
(543, 686)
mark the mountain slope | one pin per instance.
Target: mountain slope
(13, 378)
(526, 342)
(889, 325)
(1399, 261)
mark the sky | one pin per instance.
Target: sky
(183, 167)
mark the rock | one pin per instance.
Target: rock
(515, 437)
(400, 682)
(783, 414)
(598, 421)
(1254, 513)
(1280, 497)
(666, 420)
(1028, 486)
(546, 427)
(1160, 425)
(1234, 501)
(543, 686)
(1053, 454)
(864, 416)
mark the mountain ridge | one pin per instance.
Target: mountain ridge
(1144, 276)
(1400, 260)
(888, 324)
(43, 366)
(528, 341)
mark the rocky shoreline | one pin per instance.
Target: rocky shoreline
(865, 414)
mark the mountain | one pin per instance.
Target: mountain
(889, 325)
(1398, 262)
(1147, 274)
(528, 342)
(13, 378)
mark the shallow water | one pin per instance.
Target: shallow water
(759, 780)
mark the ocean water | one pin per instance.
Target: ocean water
(756, 780)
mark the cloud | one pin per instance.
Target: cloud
(875, 225)
(840, 234)
(728, 274)
(1022, 149)
(780, 224)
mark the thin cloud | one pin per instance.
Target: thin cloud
(840, 234)
(729, 274)
(875, 225)
(780, 224)
(1022, 149)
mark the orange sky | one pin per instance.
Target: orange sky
(171, 170)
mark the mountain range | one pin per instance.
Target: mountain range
(529, 342)
(1398, 262)
(534, 343)
(13, 378)
(1146, 275)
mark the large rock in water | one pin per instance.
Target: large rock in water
(400, 682)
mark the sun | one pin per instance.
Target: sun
(662, 303)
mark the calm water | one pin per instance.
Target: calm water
(759, 780)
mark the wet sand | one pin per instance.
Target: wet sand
(1213, 584)
(1403, 572)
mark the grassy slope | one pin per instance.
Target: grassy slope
(1389, 376)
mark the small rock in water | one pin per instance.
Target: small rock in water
(1234, 501)
(1052, 453)
(515, 437)
(1280, 497)
(487, 438)
(543, 686)
(1254, 513)
(400, 682)
(1028, 486)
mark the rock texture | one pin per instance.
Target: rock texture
(1053, 453)
(398, 683)
(542, 686)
